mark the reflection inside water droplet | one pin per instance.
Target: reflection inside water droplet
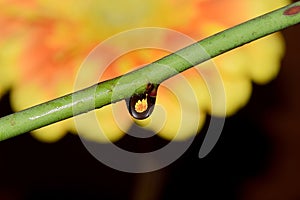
(140, 106)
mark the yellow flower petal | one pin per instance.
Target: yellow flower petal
(105, 124)
(53, 132)
(265, 58)
(238, 92)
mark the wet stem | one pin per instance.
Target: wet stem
(99, 95)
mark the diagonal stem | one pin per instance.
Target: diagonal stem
(100, 94)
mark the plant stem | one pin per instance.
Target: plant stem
(123, 87)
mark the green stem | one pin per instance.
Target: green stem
(123, 87)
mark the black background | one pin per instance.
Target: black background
(257, 156)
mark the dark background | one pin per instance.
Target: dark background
(257, 156)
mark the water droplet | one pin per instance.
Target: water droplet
(140, 106)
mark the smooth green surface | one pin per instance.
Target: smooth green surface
(119, 88)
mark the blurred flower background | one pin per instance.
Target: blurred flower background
(43, 44)
(257, 157)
